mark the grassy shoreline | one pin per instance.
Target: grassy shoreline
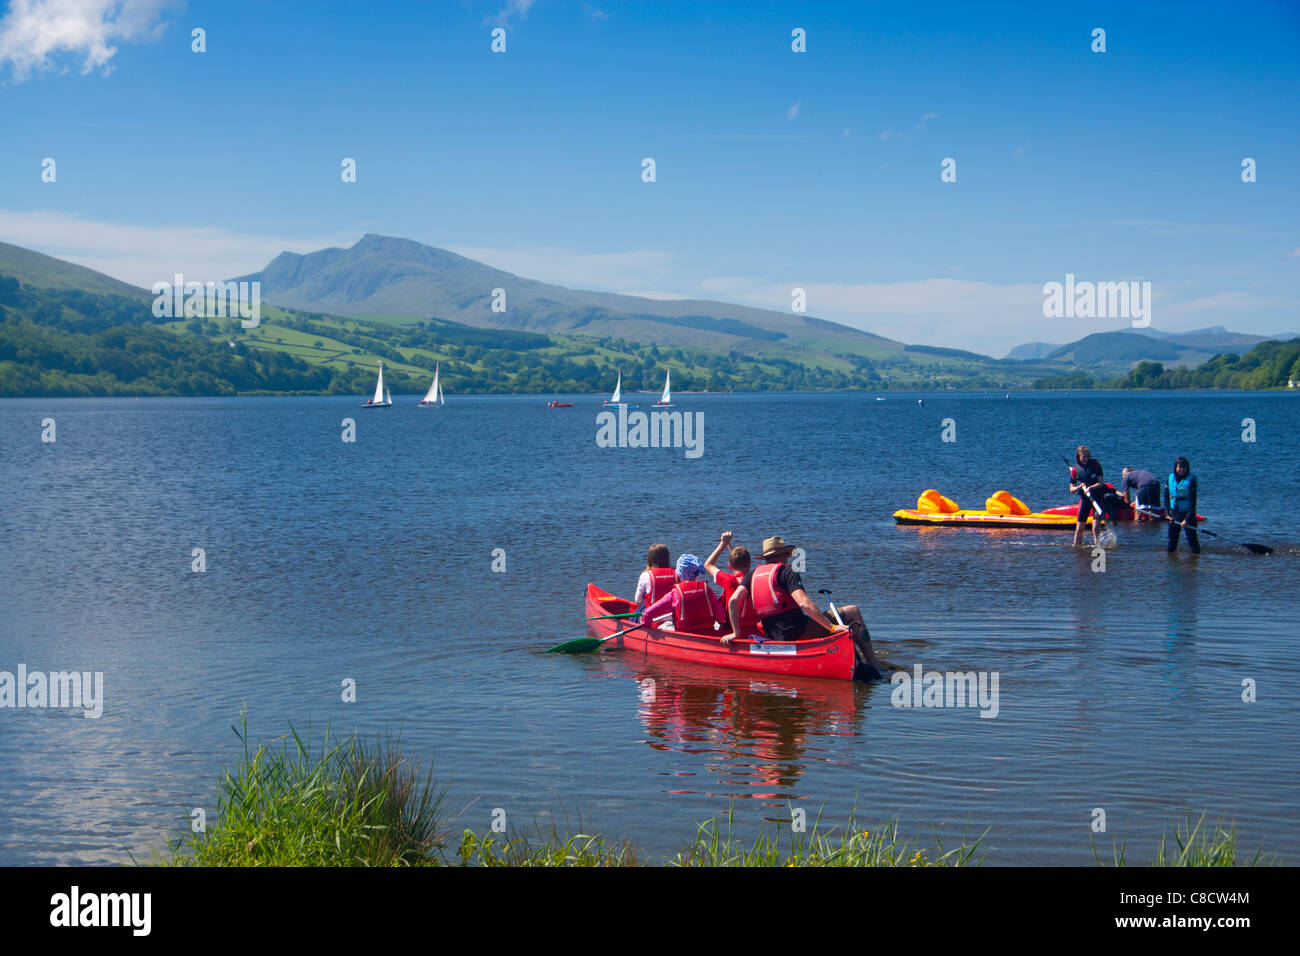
(353, 804)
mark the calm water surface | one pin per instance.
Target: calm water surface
(373, 561)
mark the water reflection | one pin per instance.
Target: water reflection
(756, 735)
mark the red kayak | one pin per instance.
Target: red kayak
(830, 656)
(1124, 513)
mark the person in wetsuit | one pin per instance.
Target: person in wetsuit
(1180, 505)
(1086, 475)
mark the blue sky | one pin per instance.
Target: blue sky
(774, 169)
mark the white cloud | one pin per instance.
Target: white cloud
(978, 316)
(143, 255)
(512, 9)
(1230, 303)
(34, 32)
(955, 313)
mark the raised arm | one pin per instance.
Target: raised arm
(711, 562)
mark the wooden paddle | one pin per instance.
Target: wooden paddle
(1253, 548)
(581, 645)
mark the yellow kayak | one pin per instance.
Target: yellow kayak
(1002, 510)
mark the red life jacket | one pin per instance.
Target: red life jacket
(694, 611)
(730, 581)
(769, 597)
(661, 582)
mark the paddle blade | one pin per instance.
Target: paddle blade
(1257, 548)
(579, 645)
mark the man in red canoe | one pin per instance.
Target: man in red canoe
(786, 610)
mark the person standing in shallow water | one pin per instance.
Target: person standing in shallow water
(1180, 505)
(1086, 474)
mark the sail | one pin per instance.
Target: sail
(618, 391)
(441, 398)
(431, 395)
(379, 386)
(388, 397)
(667, 397)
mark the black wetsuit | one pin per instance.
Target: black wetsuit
(1089, 475)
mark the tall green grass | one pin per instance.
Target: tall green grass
(1190, 844)
(817, 846)
(347, 803)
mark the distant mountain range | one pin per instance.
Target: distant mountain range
(338, 311)
(381, 275)
(1130, 346)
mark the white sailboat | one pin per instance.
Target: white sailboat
(381, 398)
(617, 398)
(666, 399)
(433, 397)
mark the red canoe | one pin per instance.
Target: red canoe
(830, 656)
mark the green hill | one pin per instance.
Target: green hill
(386, 275)
(46, 272)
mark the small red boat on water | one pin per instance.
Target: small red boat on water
(560, 405)
(830, 657)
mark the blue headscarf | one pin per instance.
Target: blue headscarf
(689, 567)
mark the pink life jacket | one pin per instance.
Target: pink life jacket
(661, 582)
(694, 611)
(769, 597)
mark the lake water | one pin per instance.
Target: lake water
(373, 560)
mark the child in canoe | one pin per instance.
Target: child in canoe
(744, 621)
(691, 603)
(656, 580)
